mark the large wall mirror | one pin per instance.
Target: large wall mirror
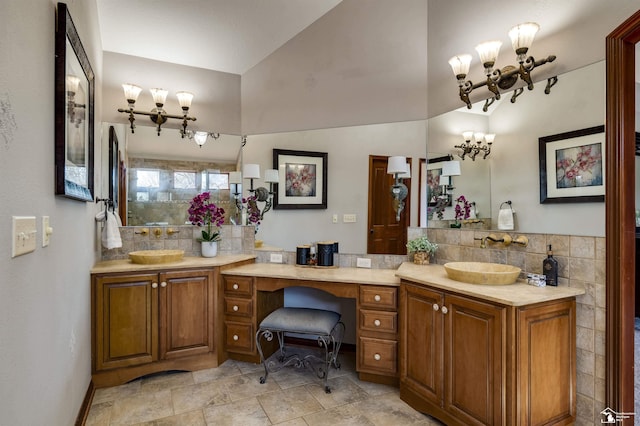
(164, 172)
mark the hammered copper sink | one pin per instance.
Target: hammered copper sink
(482, 273)
(152, 257)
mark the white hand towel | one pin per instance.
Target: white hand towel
(111, 232)
(505, 219)
(101, 216)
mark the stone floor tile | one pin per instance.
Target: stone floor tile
(246, 412)
(116, 392)
(201, 395)
(142, 407)
(289, 404)
(390, 410)
(170, 380)
(229, 368)
(248, 385)
(100, 414)
(343, 391)
(345, 415)
(192, 418)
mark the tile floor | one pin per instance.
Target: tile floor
(232, 395)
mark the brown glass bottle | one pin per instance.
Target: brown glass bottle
(550, 268)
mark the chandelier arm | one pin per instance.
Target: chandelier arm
(465, 89)
(551, 81)
(516, 93)
(487, 103)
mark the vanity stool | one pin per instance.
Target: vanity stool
(325, 325)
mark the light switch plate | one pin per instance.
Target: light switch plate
(46, 231)
(24, 235)
(275, 258)
(348, 218)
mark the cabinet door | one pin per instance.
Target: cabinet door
(475, 360)
(186, 325)
(126, 316)
(421, 363)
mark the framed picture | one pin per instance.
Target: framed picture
(433, 180)
(572, 166)
(74, 97)
(302, 179)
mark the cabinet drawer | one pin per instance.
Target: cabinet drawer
(238, 306)
(240, 286)
(380, 321)
(378, 297)
(378, 355)
(239, 337)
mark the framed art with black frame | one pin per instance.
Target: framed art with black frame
(74, 112)
(302, 179)
(572, 166)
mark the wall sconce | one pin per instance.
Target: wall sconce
(200, 138)
(72, 85)
(522, 36)
(449, 168)
(235, 187)
(473, 149)
(400, 169)
(251, 172)
(158, 115)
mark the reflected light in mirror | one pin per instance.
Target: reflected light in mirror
(451, 168)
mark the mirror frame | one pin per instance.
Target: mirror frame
(114, 162)
(66, 30)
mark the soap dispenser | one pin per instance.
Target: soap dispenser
(550, 268)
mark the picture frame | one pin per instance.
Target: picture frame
(302, 179)
(74, 112)
(432, 178)
(572, 166)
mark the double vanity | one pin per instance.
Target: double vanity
(463, 353)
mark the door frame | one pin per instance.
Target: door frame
(619, 214)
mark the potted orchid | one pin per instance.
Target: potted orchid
(204, 212)
(462, 211)
(253, 214)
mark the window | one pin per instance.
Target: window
(184, 180)
(148, 178)
(218, 180)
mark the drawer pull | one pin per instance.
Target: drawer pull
(377, 298)
(235, 337)
(163, 284)
(377, 357)
(154, 285)
(235, 308)
(435, 307)
(376, 323)
(235, 286)
(444, 310)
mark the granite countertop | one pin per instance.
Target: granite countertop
(125, 265)
(346, 275)
(518, 294)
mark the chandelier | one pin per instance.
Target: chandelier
(158, 115)
(473, 149)
(199, 137)
(522, 36)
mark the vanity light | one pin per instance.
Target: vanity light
(200, 138)
(235, 185)
(72, 85)
(473, 149)
(521, 36)
(400, 169)
(158, 115)
(262, 194)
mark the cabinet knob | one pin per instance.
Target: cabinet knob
(435, 307)
(163, 284)
(154, 285)
(444, 310)
(235, 337)
(235, 308)
(235, 286)
(376, 323)
(377, 357)
(377, 298)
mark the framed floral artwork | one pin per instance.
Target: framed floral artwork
(302, 179)
(572, 166)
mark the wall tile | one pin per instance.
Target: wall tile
(583, 247)
(560, 244)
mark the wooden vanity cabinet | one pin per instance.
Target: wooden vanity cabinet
(472, 362)
(377, 333)
(143, 318)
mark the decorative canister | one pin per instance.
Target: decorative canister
(303, 254)
(209, 248)
(421, 258)
(325, 253)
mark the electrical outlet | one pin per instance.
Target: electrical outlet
(335, 218)
(24, 235)
(275, 258)
(348, 218)
(362, 262)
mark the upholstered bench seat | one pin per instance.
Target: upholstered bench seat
(323, 324)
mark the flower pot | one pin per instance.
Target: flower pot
(421, 258)
(209, 248)
(455, 225)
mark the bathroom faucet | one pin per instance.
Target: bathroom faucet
(506, 240)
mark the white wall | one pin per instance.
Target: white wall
(348, 151)
(44, 296)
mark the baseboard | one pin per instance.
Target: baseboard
(344, 347)
(86, 405)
